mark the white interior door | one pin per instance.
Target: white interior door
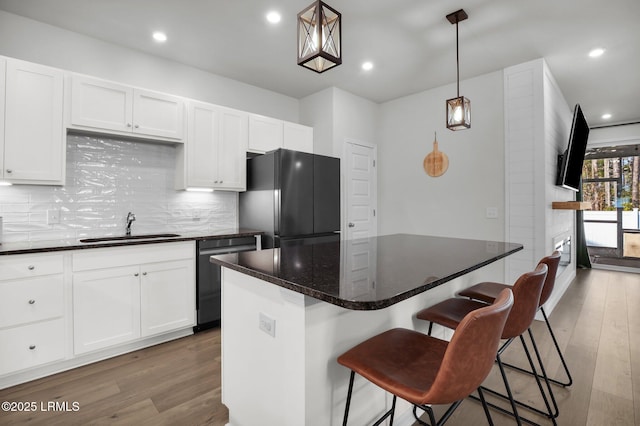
(361, 190)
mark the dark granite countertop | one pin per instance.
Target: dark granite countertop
(75, 244)
(368, 274)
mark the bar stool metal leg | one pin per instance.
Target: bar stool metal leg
(569, 382)
(346, 408)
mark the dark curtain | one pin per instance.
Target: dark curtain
(582, 254)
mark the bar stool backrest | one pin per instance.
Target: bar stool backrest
(552, 261)
(526, 296)
(471, 352)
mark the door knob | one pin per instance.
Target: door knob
(351, 224)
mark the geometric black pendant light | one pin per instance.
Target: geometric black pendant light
(458, 108)
(319, 37)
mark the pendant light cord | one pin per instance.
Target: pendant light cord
(457, 62)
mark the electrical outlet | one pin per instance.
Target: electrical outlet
(492, 212)
(267, 324)
(53, 216)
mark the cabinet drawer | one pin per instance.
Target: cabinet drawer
(30, 300)
(12, 267)
(31, 345)
(113, 257)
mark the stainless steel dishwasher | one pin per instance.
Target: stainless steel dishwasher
(208, 280)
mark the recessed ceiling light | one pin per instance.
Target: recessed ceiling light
(367, 66)
(597, 52)
(273, 17)
(606, 116)
(159, 36)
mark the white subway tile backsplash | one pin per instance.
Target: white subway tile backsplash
(106, 178)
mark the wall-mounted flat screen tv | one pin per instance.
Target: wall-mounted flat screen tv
(570, 163)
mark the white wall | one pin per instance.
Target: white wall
(316, 110)
(454, 204)
(34, 41)
(337, 115)
(354, 118)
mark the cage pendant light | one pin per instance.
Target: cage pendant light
(458, 108)
(319, 37)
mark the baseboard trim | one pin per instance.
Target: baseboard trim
(55, 367)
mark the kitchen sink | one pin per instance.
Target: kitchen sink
(127, 237)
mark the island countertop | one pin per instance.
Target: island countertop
(368, 274)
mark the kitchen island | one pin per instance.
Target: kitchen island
(287, 314)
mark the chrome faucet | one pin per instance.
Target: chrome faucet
(130, 218)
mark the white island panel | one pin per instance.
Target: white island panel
(293, 378)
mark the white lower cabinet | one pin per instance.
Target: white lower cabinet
(32, 327)
(166, 297)
(31, 345)
(106, 308)
(128, 293)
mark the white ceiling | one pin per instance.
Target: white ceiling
(410, 42)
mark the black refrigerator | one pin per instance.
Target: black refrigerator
(293, 197)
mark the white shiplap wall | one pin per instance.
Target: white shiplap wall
(521, 84)
(537, 121)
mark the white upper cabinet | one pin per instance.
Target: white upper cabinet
(265, 133)
(157, 114)
(215, 153)
(298, 137)
(232, 150)
(101, 104)
(115, 108)
(33, 136)
(201, 147)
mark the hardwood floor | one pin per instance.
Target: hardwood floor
(597, 323)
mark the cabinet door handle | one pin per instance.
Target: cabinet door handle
(31, 267)
(128, 124)
(136, 274)
(137, 126)
(32, 301)
(32, 347)
(351, 224)
(9, 171)
(144, 273)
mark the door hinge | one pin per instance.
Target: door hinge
(374, 212)
(374, 163)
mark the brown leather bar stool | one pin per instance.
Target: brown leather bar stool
(488, 291)
(425, 370)
(526, 294)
